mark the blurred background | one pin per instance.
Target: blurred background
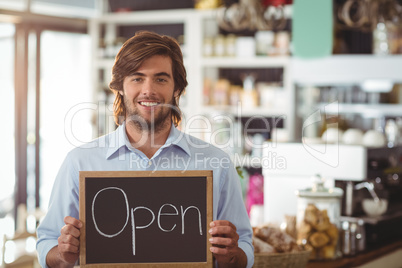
(258, 70)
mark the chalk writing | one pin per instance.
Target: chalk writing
(93, 211)
(131, 212)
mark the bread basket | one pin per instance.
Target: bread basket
(282, 260)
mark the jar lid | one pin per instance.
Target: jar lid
(319, 190)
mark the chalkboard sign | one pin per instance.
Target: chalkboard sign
(145, 218)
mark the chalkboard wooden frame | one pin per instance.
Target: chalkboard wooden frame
(84, 175)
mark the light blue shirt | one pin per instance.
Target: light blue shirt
(114, 152)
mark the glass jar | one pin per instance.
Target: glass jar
(219, 46)
(208, 47)
(230, 43)
(318, 220)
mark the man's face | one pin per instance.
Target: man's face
(148, 94)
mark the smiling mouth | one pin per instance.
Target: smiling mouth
(148, 103)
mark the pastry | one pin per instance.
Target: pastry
(261, 246)
(319, 239)
(281, 241)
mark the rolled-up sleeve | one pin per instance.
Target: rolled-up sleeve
(63, 202)
(231, 207)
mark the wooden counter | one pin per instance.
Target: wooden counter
(360, 258)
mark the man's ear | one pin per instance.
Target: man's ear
(176, 93)
(121, 92)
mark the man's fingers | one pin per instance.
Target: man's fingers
(221, 241)
(224, 241)
(219, 251)
(69, 239)
(68, 248)
(70, 230)
(72, 221)
(222, 223)
(225, 231)
(220, 230)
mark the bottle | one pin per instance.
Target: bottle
(345, 238)
(208, 47)
(102, 49)
(118, 43)
(249, 95)
(219, 46)
(353, 242)
(392, 133)
(360, 236)
(264, 42)
(380, 38)
(182, 43)
(230, 43)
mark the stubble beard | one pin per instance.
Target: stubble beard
(159, 120)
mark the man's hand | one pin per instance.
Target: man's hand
(224, 244)
(68, 242)
(67, 251)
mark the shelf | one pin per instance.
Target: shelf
(369, 110)
(244, 112)
(332, 70)
(165, 16)
(346, 69)
(155, 16)
(239, 62)
(107, 63)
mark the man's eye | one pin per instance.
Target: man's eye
(161, 80)
(137, 79)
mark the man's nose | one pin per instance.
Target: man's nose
(147, 87)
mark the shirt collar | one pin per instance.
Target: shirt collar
(178, 138)
(118, 139)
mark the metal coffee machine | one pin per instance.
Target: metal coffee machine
(360, 171)
(375, 201)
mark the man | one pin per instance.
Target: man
(148, 78)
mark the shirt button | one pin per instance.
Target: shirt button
(149, 163)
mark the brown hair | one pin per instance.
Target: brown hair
(132, 54)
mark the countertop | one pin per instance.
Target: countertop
(359, 259)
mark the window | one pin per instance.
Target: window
(7, 137)
(65, 8)
(44, 73)
(65, 102)
(20, 5)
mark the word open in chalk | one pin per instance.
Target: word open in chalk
(130, 217)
